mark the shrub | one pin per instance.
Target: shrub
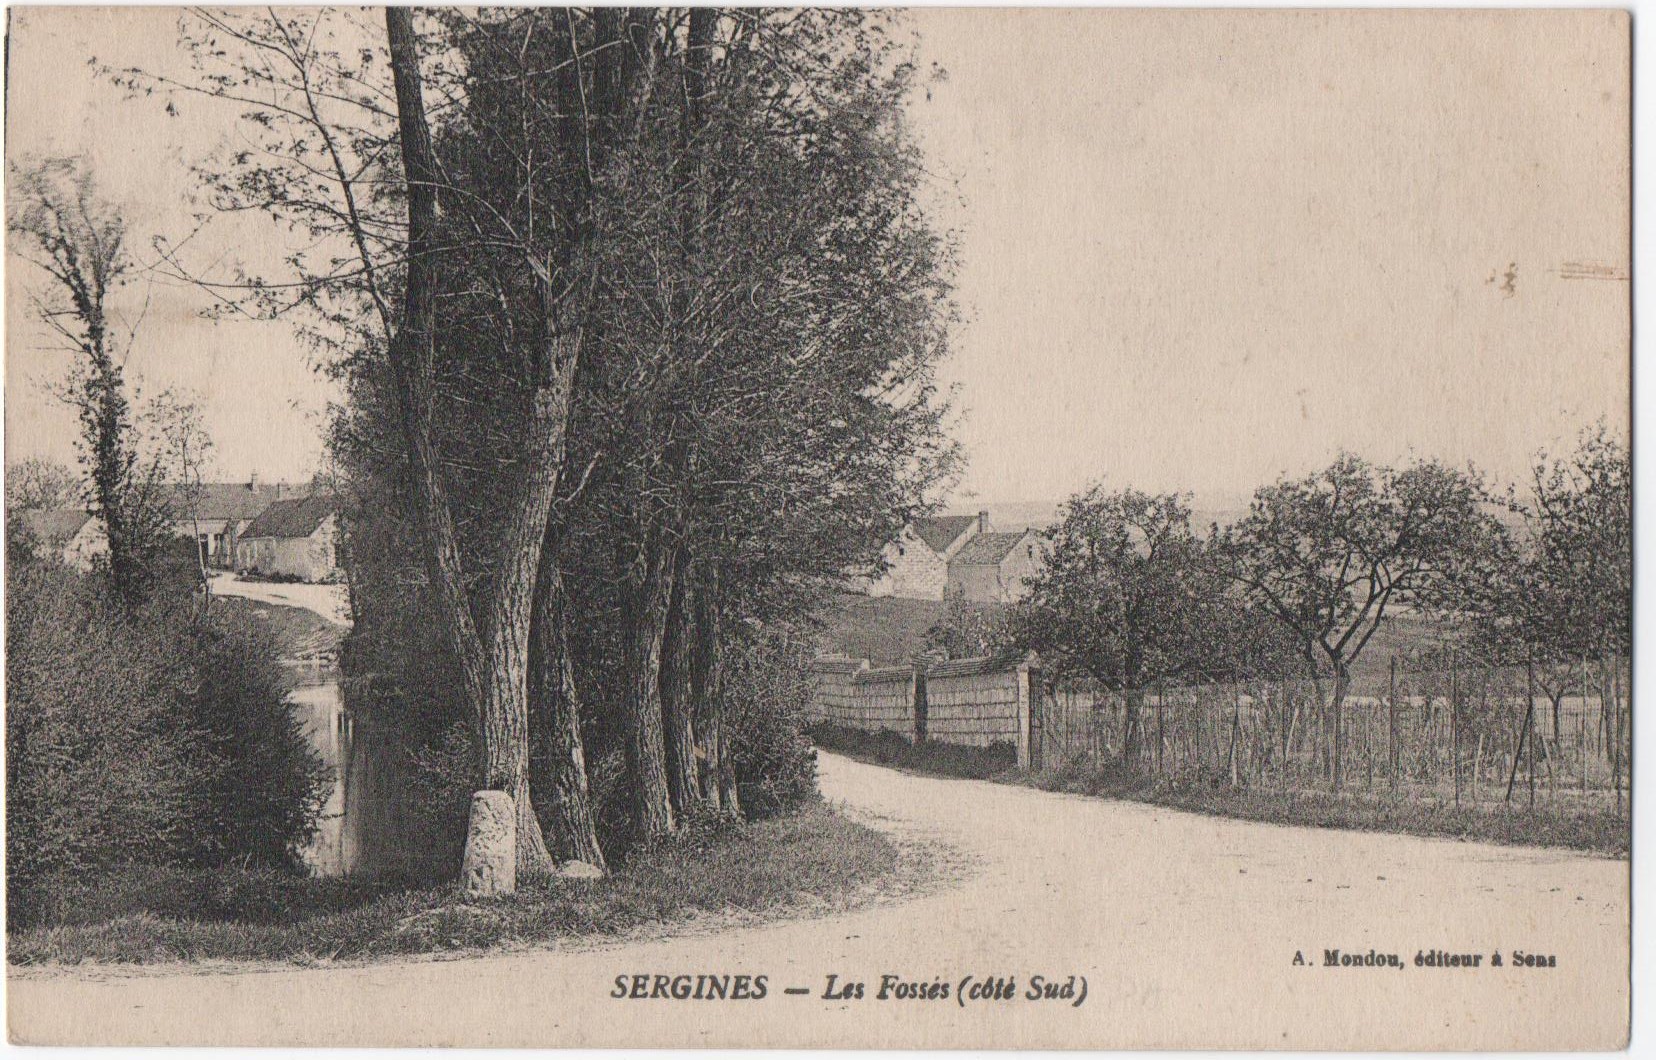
(140, 739)
(767, 689)
(261, 783)
(99, 770)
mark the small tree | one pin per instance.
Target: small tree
(38, 484)
(182, 446)
(1563, 593)
(1127, 597)
(1330, 555)
(79, 241)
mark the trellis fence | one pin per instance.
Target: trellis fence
(1455, 730)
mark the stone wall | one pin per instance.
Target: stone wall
(977, 702)
(851, 694)
(973, 702)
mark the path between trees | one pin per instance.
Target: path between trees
(329, 601)
(1185, 928)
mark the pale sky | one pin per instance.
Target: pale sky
(1199, 248)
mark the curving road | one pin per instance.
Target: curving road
(1184, 927)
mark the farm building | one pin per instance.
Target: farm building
(74, 535)
(992, 567)
(216, 514)
(917, 563)
(294, 538)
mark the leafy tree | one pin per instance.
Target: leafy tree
(38, 484)
(1330, 555)
(697, 234)
(1127, 597)
(1561, 594)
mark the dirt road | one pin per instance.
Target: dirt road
(1184, 928)
(329, 601)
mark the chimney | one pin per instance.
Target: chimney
(983, 522)
(278, 491)
(253, 482)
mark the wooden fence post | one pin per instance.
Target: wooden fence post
(918, 689)
(1391, 724)
(1616, 729)
(1454, 723)
(1529, 713)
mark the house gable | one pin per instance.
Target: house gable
(992, 567)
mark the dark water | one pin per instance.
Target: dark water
(320, 705)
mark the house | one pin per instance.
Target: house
(74, 535)
(216, 514)
(992, 567)
(294, 538)
(917, 563)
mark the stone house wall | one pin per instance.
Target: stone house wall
(913, 570)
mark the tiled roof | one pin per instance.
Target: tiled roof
(987, 549)
(941, 531)
(55, 526)
(298, 517)
(234, 500)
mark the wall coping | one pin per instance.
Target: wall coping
(863, 671)
(883, 673)
(1005, 662)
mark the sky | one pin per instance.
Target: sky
(1199, 249)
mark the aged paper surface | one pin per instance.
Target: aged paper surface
(1194, 253)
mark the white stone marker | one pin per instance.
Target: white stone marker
(490, 863)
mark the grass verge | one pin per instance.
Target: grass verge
(928, 756)
(808, 856)
(1511, 824)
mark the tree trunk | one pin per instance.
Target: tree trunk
(1342, 685)
(1132, 710)
(641, 699)
(505, 715)
(677, 693)
(493, 653)
(555, 725)
(707, 673)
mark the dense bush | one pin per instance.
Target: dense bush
(141, 739)
(767, 691)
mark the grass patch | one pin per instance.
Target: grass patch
(928, 756)
(809, 855)
(299, 633)
(1511, 824)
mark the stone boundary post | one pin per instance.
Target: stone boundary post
(489, 866)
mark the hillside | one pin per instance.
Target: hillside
(883, 629)
(889, 631)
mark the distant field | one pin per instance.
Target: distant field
(883, 629)
(889, 631)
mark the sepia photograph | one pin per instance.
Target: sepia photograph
(828, 527)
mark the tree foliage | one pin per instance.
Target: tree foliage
(38, 484)
(638, 313)
(1328, 556)
(141, 737)
(79, 241)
